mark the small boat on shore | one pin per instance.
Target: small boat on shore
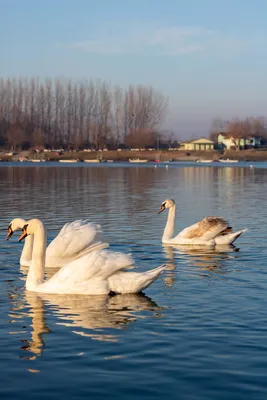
(68, 161)
(35, 160)
(137, 160)
(92, 161)
(205, 161)
(228, 161)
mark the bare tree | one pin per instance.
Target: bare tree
(104, 114)
(48, 112)
(90, 112)
(239, 128)
(118, 114)
(38, 137)
(144, 113)
(62, 116)
(15, 136)
(69, 111)
(218, 125)
(82, 105)
(63, 112)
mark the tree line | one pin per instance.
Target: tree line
(239, 128)
(79, 114)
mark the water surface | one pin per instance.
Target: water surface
(199, 332)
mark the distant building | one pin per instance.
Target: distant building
(254, 141)
(198, 144)
(226, 141)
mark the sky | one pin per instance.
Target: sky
(207, 56)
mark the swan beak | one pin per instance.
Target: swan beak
(23, 235)
(9, 233)
(162, 208)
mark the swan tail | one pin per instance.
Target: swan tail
(133, 282)
(229, 238)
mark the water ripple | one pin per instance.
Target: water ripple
(199, 332)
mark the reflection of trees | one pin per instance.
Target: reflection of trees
(88, 316)
(221, 190)
(71, 191)
(27, 188)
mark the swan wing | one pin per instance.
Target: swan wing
(206, 229)
(88, 273)
(75, 239)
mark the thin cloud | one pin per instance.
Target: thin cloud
(97, 46)
(174, 40)
(179, 40)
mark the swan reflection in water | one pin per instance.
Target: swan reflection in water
(210, 260)
(88, 316)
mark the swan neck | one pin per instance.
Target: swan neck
(26, 254)
(169, 228)
(36, 271)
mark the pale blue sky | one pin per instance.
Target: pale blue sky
(208, 56)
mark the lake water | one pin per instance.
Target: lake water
(199, 332)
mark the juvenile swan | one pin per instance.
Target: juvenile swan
(73, 241)
(210, 231)
(98, 272)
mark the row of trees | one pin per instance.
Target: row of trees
(239, 128)
(63, 112)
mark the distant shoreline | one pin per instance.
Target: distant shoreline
(154, 155)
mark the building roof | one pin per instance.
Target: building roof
(202, 140)
(232, 135)
(199, 141)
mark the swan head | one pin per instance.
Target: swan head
(30, 228)
(15, 225)
(166, 204)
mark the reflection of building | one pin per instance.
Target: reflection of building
(231, 142)
(198, 144)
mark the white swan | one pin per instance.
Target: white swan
(97, 272)
(26, 254)
(74, 240)
(210, 231)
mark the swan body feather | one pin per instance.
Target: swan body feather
(210, 231)
(88, 274)
(96, 273)
(74, 240)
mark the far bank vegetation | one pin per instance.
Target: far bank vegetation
(239, 128)
(63, 113)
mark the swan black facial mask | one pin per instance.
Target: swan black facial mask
(24, 233)
(9, 232)
(162, 208)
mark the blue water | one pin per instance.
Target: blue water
(199, 332)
